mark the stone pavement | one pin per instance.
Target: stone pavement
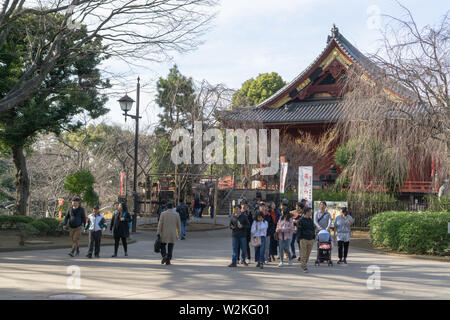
(199, 271)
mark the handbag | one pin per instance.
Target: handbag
(157, 246)
(256, 240)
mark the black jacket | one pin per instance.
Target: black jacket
(306, 229)
(120, 228)
(76, 217)
(239, 232)
(182, 210)
(272, 226)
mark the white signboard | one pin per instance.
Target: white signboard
(305, 184)
(283, 173)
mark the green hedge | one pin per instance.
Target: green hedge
(45, 226)
(412, 232)
(12, 221)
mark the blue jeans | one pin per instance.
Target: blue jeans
(293, 241)
(197, 212)
(259, 251)
(211, 211)
(284, 247)
(242, 243)
(183, 229)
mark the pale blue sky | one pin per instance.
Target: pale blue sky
(256, 36)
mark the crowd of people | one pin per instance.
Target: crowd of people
(274, 232)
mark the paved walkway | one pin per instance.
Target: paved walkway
(199, 271)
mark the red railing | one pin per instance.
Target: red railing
(417, 187)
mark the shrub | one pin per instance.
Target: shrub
(53, 224)
(436, 205)
(12, 221)
(412, 232)
(41, 226)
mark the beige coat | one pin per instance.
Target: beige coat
(169, 226)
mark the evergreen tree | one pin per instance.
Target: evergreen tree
(69, 89)
(176, 98)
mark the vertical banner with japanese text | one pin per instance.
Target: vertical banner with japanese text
(283, 173)
(305, 184)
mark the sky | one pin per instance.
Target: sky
(258, 36)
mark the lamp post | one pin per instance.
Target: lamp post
(126, 103)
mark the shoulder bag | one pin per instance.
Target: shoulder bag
(256, 240)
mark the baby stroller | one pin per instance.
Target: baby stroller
(324, 246)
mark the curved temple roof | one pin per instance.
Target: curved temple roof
(280, 107)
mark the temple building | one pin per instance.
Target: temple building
(311, 103)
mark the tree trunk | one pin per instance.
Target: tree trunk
(22, 181)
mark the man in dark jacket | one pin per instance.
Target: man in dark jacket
(245, 210)
(183, 211)
(306, 234)
(197, 205)
(239, 224)
(76, 218)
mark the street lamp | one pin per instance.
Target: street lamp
(126, 103)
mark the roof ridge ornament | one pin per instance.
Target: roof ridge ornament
(334, 33)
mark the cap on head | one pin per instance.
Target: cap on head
(76, 198)
(96, 207)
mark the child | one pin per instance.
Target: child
(259, 229)
(95, 223)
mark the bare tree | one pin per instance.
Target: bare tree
(131, 30)
(397, 114)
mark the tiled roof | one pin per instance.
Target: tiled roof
(296, 112)
(357, 57)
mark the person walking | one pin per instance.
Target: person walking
(268, 218)
(249, 215)
(76, 217)
(211, 202)
(120, 227)
(197, 206)
(296, 215)
(183, 211)
(259, 229)
(306, 235)
(343, 224)
(285, 228)
(239, 225)
(244, 210)
(322, 218)
(273, 241)
(95, 224)
(169, 228)
(271, 226)
(161, 208)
